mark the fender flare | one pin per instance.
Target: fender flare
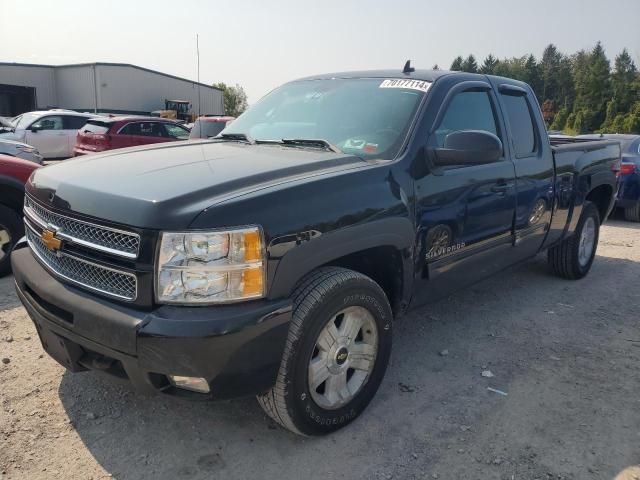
(585, 186)
(394, 232)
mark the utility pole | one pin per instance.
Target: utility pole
(198, 55)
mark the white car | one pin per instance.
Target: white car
(52, 133)
(20, 150)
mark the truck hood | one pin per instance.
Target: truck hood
(165, 187)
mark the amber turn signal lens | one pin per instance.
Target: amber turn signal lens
(253, 282)
(252, 246)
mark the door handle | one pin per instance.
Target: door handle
(500, 188)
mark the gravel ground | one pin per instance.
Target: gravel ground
(565, 355)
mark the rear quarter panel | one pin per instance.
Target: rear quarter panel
(580, 168)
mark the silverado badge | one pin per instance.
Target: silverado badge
(49, 239)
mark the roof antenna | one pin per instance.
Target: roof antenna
(408, 68)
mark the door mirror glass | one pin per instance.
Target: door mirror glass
(36, 127)
(468, 147)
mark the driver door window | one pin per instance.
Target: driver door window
(49, 123)
(176, 132)
(471, 110)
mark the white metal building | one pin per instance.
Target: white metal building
(100, 88)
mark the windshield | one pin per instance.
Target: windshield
(26, 119)
(364, 117)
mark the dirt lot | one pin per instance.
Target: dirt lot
(565, 353)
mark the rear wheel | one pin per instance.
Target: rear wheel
(632, 214)
(573, 257)
(336, 353)
(11, 229)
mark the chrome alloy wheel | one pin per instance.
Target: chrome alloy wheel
(537, 212)
(343, 358)
(587, 241)
(5, 242)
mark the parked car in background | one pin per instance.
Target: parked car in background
(101, 134)
(52, 132)
(14, 172)
(628, 187)
(20, 150)
(209, 126)
(6, 125)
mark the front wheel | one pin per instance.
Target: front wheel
(336, 353)
(573, 257)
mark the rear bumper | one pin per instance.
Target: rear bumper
(79, 151)
(236, 348)
(628, 190)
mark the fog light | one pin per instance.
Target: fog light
(195, 384)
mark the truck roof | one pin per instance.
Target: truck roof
(428, 75)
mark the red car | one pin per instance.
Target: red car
(109, 133)
(14, 173)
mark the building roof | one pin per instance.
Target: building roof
(109, 64)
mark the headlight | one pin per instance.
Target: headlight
(27, 149)
(210, 267)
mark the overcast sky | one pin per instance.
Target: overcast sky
(261, 44)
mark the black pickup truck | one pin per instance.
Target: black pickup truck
(273, 259)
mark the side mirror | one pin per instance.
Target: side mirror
(35, 128)
(468, 147)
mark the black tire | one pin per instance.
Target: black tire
(563, 258)
(632, 214)
(318, 298)
(11, 223)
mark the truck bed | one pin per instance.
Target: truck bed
(580, 152)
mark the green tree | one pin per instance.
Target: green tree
(235, 99)
(470, 65)
(532, 75)
(560, 119)
(624, 92)
(593, 85)
(565, 94)
(512, 68)
(549, 69)
(456, 65)
(623, 81)
(489, 65)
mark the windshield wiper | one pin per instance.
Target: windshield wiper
(311, 142)
(239, 137)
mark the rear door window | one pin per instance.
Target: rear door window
(144, 129)
(98, 128)
(522, 126)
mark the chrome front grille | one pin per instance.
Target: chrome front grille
(106, 239)
(90, 275)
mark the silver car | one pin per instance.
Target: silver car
(20, 150)
(52, 132)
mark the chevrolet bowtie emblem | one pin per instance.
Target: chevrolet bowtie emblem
(49, 239)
